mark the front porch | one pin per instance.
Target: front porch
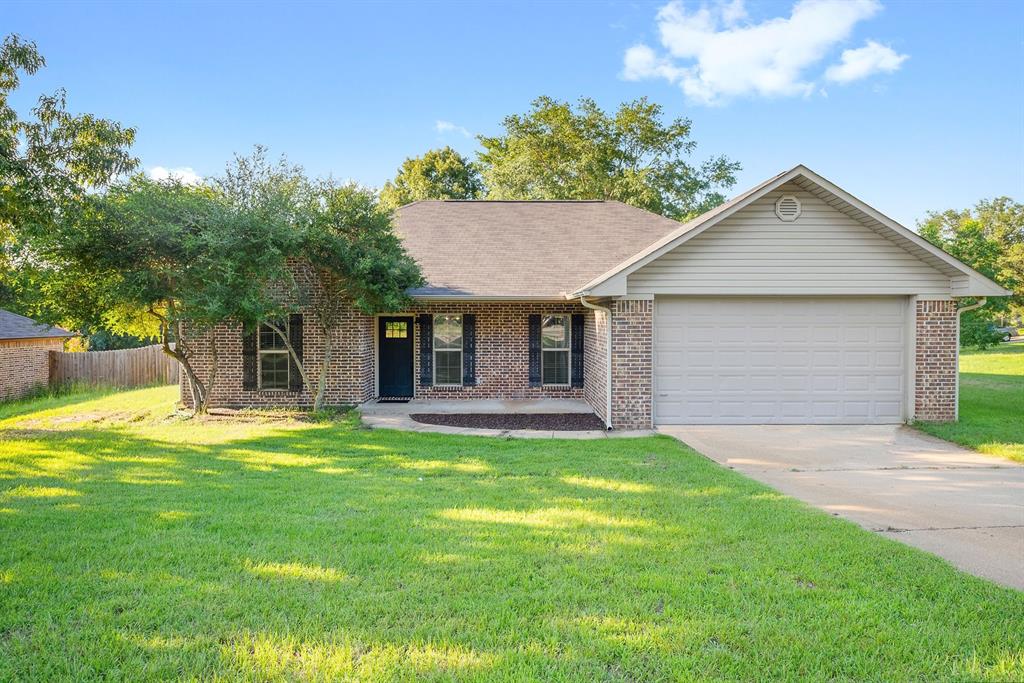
(388, 415)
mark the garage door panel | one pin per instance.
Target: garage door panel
(782, 360)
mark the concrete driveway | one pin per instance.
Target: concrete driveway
(965, 507)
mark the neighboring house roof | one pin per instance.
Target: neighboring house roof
(969, 281)
(14, 326)
(521, 249)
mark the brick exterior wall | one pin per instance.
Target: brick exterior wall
(502, 350)
(632, 364)
(935, 373)
(349, 379)
(502, 357)
(595, 362)
(25, 365)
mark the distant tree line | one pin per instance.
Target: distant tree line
(88, 242)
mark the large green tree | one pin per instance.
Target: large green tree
(163, 255)
(990, 238)
(342, 250)
(49, 163)
(557, 151)
(438, 174)
(351, 254)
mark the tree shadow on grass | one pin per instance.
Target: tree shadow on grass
(326, 551)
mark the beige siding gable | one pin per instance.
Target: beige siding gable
(824, 251)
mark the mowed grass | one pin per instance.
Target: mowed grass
(135, 545)
(991, 403)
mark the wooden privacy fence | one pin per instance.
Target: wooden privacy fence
(125, 368)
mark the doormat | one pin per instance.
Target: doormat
(392, 399)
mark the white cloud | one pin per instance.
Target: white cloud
(865, 61)
(449, 127)
(184, 174)
(715, 54)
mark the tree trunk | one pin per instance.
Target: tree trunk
(321, 387)
(214, 367)
(294, 356)
(200, 395)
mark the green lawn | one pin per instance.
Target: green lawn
(991, 403)
(136, 545)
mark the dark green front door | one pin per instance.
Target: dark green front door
(394, 343)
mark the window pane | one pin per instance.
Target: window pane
(554, 333)
(448, 332)
(396, 330)
(270, 339)
(274, 370)
(556, 367)
(448, 367)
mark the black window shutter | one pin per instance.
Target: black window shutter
(426, 323)
(249, 365)
(534, 351)
(469, 349)
(295, 339)
(577, 350)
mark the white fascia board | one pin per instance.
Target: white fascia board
(979, 285)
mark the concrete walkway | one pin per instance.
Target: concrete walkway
(958, 504)
(396, 416)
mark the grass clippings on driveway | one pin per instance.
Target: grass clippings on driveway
(991, 403)
(139, 546)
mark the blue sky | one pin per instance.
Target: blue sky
(928, 115)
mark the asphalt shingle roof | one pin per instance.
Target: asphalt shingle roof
(14, 326)
(527, 249)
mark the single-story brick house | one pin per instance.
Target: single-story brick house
(25, 347)
(794, 302)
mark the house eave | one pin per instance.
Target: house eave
(485, 297)
(614, 280)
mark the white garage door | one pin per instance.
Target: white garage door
(781, 361)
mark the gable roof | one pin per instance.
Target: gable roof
(14, 326)
(966, 281)
(521, 249)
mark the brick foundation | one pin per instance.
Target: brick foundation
(25, 365)
(935, 383)
(632, 363)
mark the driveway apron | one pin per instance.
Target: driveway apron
(963, 506)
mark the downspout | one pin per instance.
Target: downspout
(607, 362)
(960, 311)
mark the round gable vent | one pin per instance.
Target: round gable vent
(787, 208)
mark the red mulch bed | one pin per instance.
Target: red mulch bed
(557, 422)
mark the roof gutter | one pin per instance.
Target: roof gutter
(607, 361)
(960, 311)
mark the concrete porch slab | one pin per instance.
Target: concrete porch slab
(396, 416)
(490, 406)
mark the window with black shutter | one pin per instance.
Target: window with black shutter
(469, 349)
(448, 342)
(274, 363)
(534, 346)
(426, 323)
(555, 339)
(295, 339)
(250, 364)
(577, 349)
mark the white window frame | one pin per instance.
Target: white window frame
(435, 350)
(567, 350)
(260, 352)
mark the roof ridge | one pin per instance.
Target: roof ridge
(521, 201)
